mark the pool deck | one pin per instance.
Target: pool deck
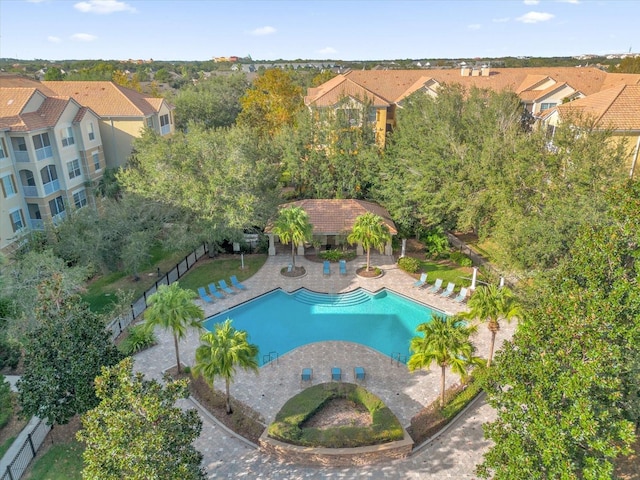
(453, 455)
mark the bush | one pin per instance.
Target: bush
(10, 353)
(288, 425)
(460, 259)
(6, 406)
(409, 264)
(436, 242)
(139, 337)
(335, 255)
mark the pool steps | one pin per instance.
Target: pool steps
(356, 297)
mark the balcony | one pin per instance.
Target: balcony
(21, 156)
(30, 191)
(36, 224)
(56, 219)
(165, 129)
(44, 152)
(51, 187)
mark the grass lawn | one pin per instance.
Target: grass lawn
(101, 292)
(209, 270)
(5, 446)
(61, 462)
(448, 272)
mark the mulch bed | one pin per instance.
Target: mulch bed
(295, 272)
(340, 412)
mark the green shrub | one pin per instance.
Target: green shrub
(470, 389)
(335, 255)
(139, 337)
(461, 259)
(435, 242)
(288, 425)
(6, 406)
(9, 353)
(409, 264)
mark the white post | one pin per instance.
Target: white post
(473, 279)
(241, 261)
(404, 247)
(501, 282)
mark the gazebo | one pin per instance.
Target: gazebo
(333, 218)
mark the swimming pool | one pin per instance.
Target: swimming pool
(279, 322)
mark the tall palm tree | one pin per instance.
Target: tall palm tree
(222, 351)
(172, 308)
(370, 231)
(445, 341)
(292, 225)
(490, 304)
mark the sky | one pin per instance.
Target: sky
(315, 29)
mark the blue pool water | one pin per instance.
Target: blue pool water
(279, 321)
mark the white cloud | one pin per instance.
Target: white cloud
(53, 39)
(575, 2)
(474, 26)
(327, 50)
(500, 20)
(103, 7)
(263, 31)
(535, 17)
(83, 37)
(531, 2)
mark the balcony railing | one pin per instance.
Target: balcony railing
(30, 191)
(21, 156)
(165, 129)
(56, 219)
(44, 152)
(36, 224)
(51, 187)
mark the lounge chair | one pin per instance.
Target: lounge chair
(436, 287)
(327, 268)
(462, 296)
(225, 288)
(236, 283)
(307, 374)
(336, 374)
(449, 290)
(203, 295)
(343, 267)
(214, 291)
(358, 373)
(422, 281)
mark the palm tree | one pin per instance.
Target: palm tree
(445, 341)
(172, 307)
(490, 304)
(292, 225)
(370, 231)
(222, 350)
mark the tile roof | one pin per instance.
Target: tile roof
(530, 82)
(107, 99)
(14, 101)
(617, 108)
(337, 216)
(338, 90)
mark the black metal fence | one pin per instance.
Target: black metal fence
(16, 467)
(118, 324)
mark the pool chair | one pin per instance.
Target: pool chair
(449, 290)
(203, 295)
(422, 281)
(435, 288)
(214, 291)
(358, 373)
(336, 374)
(236, 283)
(343, 267)
(307, 374)
(225, 288)
(327, 268)
(462, 296)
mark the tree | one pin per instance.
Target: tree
(369, 230)
(566, 388)
(627, 65)
(272, 102)
(292, 225)
(136, 432)
(445, 341)
(53, 74)
(63, 355)
(172, 308)
(491, 304)
(222, 351)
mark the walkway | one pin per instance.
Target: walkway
(453, 455)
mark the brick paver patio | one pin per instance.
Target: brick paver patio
(453, 455)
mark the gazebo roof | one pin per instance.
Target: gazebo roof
(337, 216)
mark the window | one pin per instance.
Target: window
(56, 206)
(150, 122)
(8, 186)
(3, 149)
(67, 137)
(49, 174)
(17, 220)
(164, 120)
(96, 161)
(42, 146)
(92, 134)
(80, 198)
(74, 169)
(546, 106)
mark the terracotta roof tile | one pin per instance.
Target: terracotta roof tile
(331, 95)
(530, 82)
(13, 100)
